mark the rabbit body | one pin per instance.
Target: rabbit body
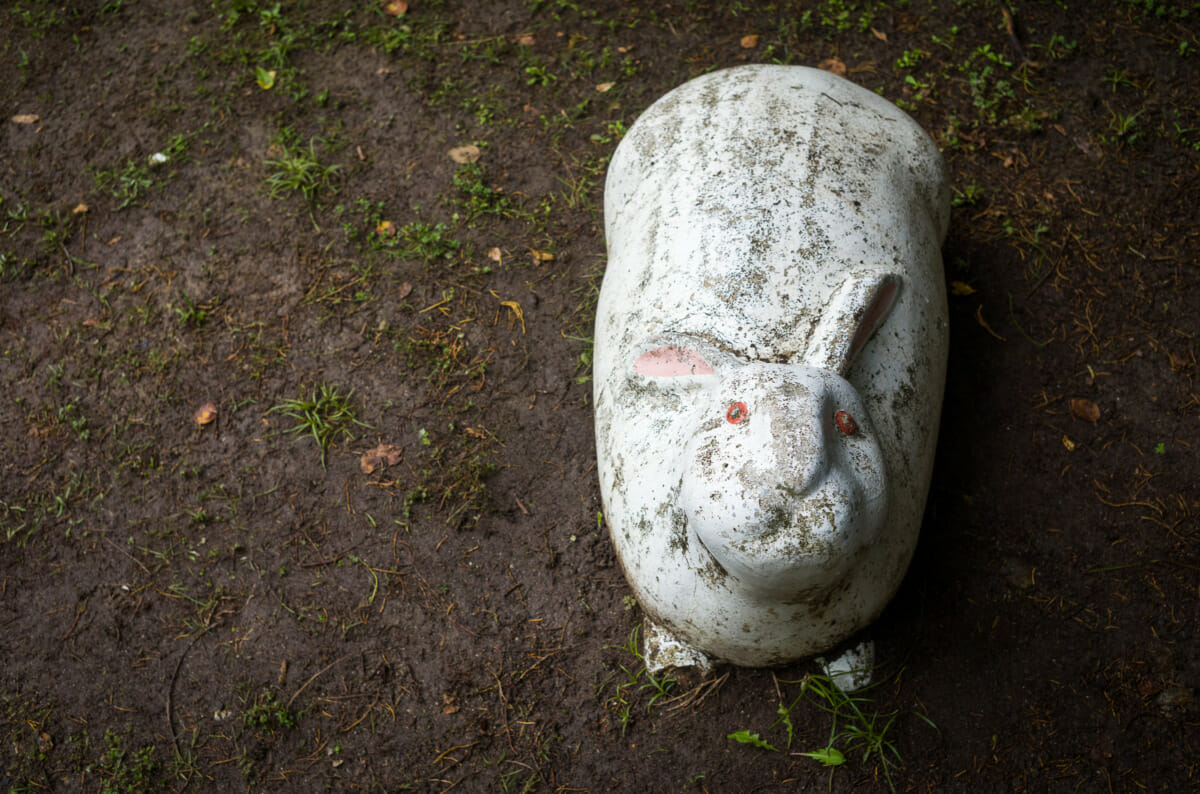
(770, 353)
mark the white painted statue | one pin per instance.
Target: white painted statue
(770, 358)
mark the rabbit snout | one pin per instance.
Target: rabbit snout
(785, 480)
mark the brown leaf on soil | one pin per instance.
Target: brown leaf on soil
(834, 66)
(1086, 410)
(604, 88)
(80, 208)
(495, 254)
(26, 118)
(205, 414)
(541, 256)
(385, 229)
(405, 290)
(750, 41)
(526, 40)
(879, 34)
(961, 288)
(395, 7)
(382, 455)
(465, 154)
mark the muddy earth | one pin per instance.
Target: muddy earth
(297, 484)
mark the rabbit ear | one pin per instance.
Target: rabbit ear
(852, 315)
(671, 361)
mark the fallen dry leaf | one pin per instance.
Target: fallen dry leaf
(405, 290)
(961, 288)
(541, 256)
(449, 704)
(384, 454)
(465, 154)
(833, 66)
(749, 41)
(205, 414)
(526, 40)
(385, 229)
(1086, 410)
(26, 118)
(515, 308)
(879, 34)
(395, 7)
(604, 88)
(80, 208)
(495, 255)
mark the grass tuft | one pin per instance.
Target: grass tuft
(324, 415)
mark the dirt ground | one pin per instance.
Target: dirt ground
(242, 245)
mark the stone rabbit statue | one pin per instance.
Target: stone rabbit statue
(770, 353)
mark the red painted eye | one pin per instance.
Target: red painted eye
(845, 422)
(737, 414)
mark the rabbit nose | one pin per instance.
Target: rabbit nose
(801, 456)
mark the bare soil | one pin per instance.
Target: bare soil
(222, 606)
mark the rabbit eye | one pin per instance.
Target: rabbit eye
(845, 423)
(737, 413)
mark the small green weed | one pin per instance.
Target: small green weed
(478, 198)
(638, 680)
(123, 772)
(267, 715)
(127, 184)
(190, 313)
(1124, 127)
(429, 243)
(1059, 48)
(969, 195)
(855, 726)
(752, 739)
(325, 414)
(298, 170)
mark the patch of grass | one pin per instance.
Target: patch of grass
(989, 91)
(855, 727)
(297, 170)
(325, 415)
(125, 772)
(969, 195)
(429, 243)
(126, 184)
(476, 196)
(1124, 128)
(267, 715)
(636, 681)
(132, 181)
(190, 313)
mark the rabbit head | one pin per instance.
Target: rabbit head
(784, 481)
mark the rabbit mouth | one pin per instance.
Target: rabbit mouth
(790, 550)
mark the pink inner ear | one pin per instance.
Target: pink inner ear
(671, 362)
